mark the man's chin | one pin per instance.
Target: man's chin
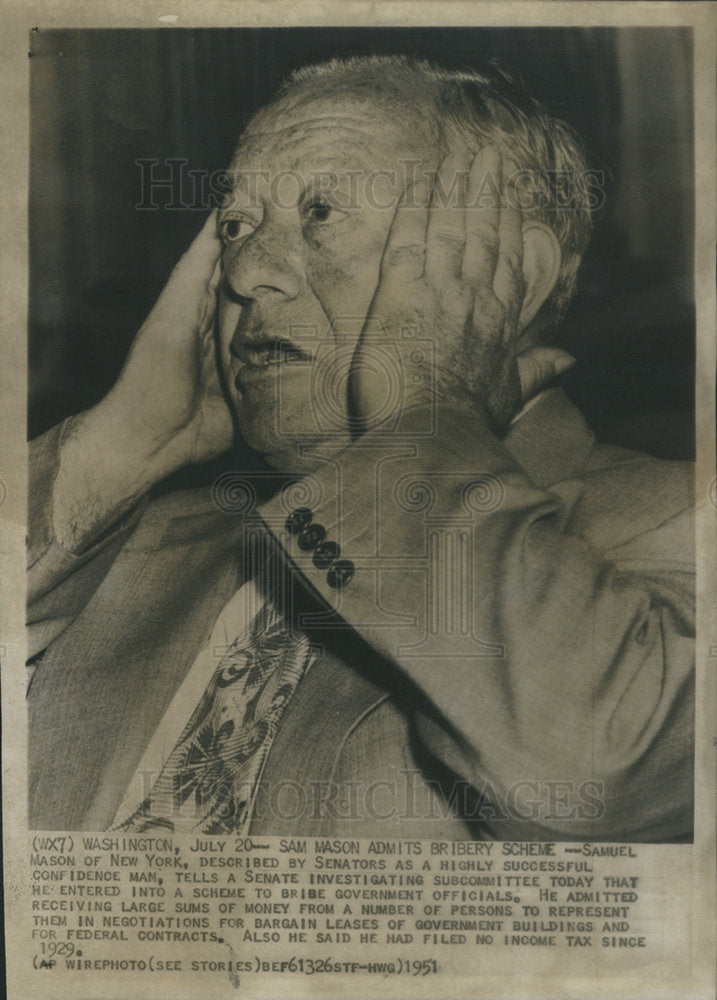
(294, 453)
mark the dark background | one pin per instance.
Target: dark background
(103, 99)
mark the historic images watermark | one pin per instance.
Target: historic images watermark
(172, 185)
(292, 802)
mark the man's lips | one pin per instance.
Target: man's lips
(261, 359)
(270, 352)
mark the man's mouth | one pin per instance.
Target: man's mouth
(262, 357)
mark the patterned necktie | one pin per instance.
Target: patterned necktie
(208, 781)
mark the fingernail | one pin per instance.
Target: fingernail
(563, 363)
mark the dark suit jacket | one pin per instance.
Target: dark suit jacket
(513, 658)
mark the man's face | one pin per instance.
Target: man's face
(315, 189)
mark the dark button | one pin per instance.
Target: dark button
(311, 536)
(340, 574)
(298, 519)
(326, 553)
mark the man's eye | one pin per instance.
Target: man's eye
(322, 212)
(231, 230)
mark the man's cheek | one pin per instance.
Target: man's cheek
(345, 284)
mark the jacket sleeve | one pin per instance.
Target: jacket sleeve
(561, 675)
(60, 582)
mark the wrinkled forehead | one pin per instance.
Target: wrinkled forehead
(347, 131)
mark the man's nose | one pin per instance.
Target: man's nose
(266, 265)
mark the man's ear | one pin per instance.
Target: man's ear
(541, 264)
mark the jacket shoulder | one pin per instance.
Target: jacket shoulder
(626, 495)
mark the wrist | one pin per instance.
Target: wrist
(138, 450)
(106, 465)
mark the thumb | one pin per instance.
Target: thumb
(538, 365)
(196, 273)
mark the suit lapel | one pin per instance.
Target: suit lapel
(329, 702)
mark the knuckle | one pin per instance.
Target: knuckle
(485, 249)
(400, 256)
(451, 238)
(484, 232)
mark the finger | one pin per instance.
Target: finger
(538, 365)
(198, 262)
(196, 273)
(210, 297)
(446, 235)
(508, 283)
(404, 253)
(482, 218)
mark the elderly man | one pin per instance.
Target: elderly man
(458, 617)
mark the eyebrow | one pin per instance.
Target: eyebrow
(335, 163)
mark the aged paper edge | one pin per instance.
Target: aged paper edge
(18, 20)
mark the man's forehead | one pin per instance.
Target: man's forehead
(341, 133)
